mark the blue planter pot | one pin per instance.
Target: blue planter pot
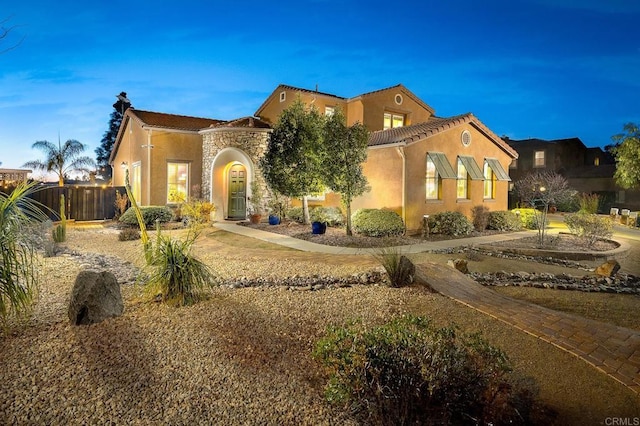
(274, 220)
(318, 228)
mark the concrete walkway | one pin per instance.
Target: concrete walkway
(309, 246)
(611, 349)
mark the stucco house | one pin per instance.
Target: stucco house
(417, 163)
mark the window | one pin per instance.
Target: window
(393, 120)
(538, 159)
(489, 182)
(434, 188)
(462, 182)
(398, 99)
(596, 161)
(177, 182)
(329, 111)
(283, 96)
(136, 181)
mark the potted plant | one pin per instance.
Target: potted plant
(319, 221)
(255, 205)
(277, 207)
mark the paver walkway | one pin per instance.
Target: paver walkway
(611, 349)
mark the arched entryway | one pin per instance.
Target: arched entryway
(231, 173)
(237, 191)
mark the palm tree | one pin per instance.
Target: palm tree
(18, 267)
(61, 159)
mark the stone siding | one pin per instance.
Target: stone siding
(252, 142)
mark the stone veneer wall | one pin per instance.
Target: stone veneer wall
(253, 142)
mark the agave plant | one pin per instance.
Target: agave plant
(18, 260)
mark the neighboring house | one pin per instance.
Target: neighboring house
(417, 164)
(587, 170)
(10, 177)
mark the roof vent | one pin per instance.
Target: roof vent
(398, 99)
(466, 138)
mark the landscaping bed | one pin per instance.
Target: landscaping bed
(243, 355)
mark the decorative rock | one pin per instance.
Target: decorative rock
(608, 269)
(459, 264)
(95, 297)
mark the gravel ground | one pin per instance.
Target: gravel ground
(240, 357)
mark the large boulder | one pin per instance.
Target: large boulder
(95, 297)
(608, 269)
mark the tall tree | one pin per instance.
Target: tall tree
(345, 149)
(627, 154)
(541, 190)
(61, 159)
(293, 161)
(103, 152)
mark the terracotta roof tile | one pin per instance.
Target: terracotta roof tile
(410, 134)
(172, 121)
(249, 122)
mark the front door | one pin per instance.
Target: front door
(237, 192)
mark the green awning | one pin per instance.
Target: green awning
(442, 165)
(500, 173)
(472, 167)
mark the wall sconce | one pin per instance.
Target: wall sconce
(123, 165)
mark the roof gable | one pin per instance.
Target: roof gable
(282, 87)
(411, 134)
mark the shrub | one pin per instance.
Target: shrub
(589, 227)
(408, 372)
(149, 215)
(377, 222)
(504, 221)
(332, 216)
(570, 204)
(129, 234)
(197, 211)
(296, 214)
(589, 203)
(530, 218)
(450, 223)
(399, 269)
(480, 215)
(121, 202)
(177, 276)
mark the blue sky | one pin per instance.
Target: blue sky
(526, 68)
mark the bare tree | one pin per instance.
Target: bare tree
(4, 34)
(541, 190)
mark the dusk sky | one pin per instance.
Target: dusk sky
(526, 68)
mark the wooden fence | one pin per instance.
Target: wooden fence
(82, 202)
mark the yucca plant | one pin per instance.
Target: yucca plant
(177, 276)
(399, 269)
(18, 262)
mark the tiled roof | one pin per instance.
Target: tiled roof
(416, 132)
(249, 122)
(172, 121)
(404, 90)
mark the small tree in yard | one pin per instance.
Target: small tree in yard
(627, 154)
(541, 190)
(345, 149)
(292, 163)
